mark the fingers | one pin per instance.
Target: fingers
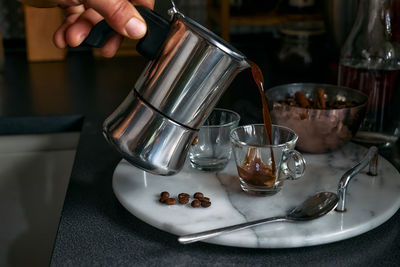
(121, 16)
(72, 14)
(76, 28)
(79, 30)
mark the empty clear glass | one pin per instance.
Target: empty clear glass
(213, 148)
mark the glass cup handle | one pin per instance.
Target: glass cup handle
(295, 171)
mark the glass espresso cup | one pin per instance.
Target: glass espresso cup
(212, 151)
(263, 166)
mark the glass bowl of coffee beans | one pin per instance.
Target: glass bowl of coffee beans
(324, 116)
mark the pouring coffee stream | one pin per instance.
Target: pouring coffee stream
(253, 169)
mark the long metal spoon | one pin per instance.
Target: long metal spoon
(314, 207)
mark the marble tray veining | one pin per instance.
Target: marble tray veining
(370, 201)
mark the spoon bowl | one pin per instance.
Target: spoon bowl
(312, 208)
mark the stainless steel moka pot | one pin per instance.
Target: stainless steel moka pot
(190, 69)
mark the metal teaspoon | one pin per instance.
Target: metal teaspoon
(312, 208)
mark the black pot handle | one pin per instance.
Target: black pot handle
(148, 46)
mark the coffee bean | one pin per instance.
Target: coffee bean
(198, 195)
(205, 204)
(195, 203)
(164, 194)
(184, 198)
(170, 201)
(183, 195)
(204, 199)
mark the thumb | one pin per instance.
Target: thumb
(121, 15)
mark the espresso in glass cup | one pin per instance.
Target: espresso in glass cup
(263, 166)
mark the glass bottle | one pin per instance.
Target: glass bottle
(370, 62)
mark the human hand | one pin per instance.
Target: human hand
(82, 15)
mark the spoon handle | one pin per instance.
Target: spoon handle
(186, 239)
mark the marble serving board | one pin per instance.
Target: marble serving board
(370, 201)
